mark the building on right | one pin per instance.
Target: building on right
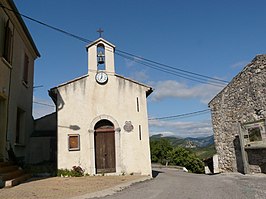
(238, 118)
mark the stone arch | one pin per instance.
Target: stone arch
(104, 117)
(117, 142)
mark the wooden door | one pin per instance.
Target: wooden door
(105, 150)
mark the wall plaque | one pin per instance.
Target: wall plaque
(128, 126)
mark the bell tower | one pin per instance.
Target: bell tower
(101, 56)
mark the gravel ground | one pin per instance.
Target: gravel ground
(56, 187)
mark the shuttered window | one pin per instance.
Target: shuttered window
(73, 142)
(26, 69)
(8, 44)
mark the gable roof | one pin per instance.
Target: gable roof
(237, 76)
(98, 40)
(52, 91)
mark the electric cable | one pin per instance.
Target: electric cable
(144, 61)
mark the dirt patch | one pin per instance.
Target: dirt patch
(57, 187)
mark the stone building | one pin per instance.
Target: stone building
(102, 122)
(238, 117)
(17, 55)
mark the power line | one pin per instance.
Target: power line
(178, 74)
(44, 104)
(144, 61)
(181, 115)
(167, 66)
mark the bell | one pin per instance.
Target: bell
(100, 58)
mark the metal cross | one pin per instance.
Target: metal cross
(100, 31)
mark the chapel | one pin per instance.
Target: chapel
(102, 120)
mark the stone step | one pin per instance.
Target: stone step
(5, 164)
(11, 175)
(8, 169)
(17, 180)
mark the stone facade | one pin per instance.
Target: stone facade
(242, 101)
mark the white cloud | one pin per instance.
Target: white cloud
(130, 63)
(182, 129)
(163, 133)
(140, 76)
(171, 88)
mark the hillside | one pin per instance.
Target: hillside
(203, 147)
(176, 141)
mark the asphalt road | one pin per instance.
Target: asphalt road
(170, 183)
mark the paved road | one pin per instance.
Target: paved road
(171, 184)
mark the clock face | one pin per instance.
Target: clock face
(101, 77)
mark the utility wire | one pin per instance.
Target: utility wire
(181, 115)
(44, 104)
(191, 114)
(185, 76)
(167, 66)
(147, 62)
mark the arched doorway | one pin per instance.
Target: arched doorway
(104, 143)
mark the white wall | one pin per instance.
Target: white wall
(83, 102)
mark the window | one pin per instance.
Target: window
(137, 104)
(20, 125)
(73, 142)
(100, 57)
(139, 132)
(254, 134)
(8, 44)
(26, 69)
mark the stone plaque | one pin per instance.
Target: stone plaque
(128, 126)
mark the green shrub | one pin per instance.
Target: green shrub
(163, 152)
(76, 171)
(182, 157)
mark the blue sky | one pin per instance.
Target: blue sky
(211, 37)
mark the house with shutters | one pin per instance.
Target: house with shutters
(102, 122)
(17, 55)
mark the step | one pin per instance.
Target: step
(18, 180)
(11, 175)
(8, 169)
(5, 164)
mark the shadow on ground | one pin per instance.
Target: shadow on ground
(155, 173)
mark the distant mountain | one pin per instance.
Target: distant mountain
(186, 142)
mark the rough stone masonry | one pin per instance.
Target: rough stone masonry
(243, 100)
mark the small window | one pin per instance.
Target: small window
(137, 104)
(140, 132)
(254, 134)
(8, 44)
(101, 57)
(26, 69)
(73, 142)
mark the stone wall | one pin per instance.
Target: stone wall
(238, 102)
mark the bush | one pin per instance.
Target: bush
(163, 152)
(182, 157)
(76, 171)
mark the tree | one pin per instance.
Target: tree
(159, 150)
(163, 152)
(182, 157)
